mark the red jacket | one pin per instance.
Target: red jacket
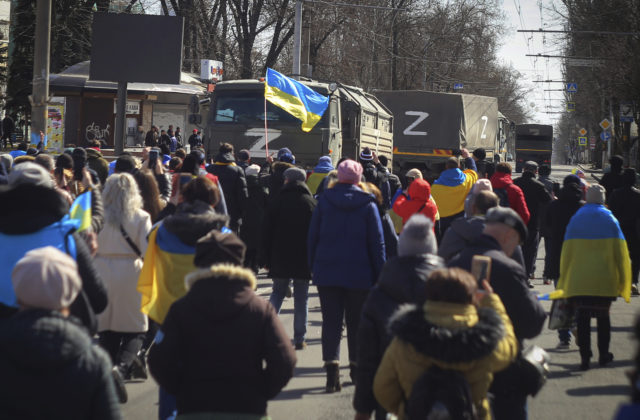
(419, 191)
(514, 193)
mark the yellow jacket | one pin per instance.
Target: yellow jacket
(482, 342)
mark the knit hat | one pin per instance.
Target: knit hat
(414, 173)
(30, 173)
(482, 185)
(596, 194)
(283, 152)
(46, 278)
(530, 166)
(217, 247)
(570, 179)
(195, 130)
(366, 154)
(295, 174)
(7, 159)
(349, 172)
(252, 170)
(244, 155)
(509, 217)
(417, 237)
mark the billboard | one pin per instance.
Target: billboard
(136, 48)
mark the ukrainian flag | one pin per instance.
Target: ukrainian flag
(81, 210)
(594, 260)
(295, 98)
(161, 281)
(451, 189)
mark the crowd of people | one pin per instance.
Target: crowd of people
(162, 274)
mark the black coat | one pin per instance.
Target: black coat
(50, 369)
(379, 177)
(624, 203)
(234, 184)
(611, 181)
(286, 228)
(252, 219)
(536, 195)
(272, 177)
(401, 281)
(556, 221)
(223, 348)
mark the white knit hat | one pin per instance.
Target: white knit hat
(417, 237)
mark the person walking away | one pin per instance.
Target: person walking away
(346, 255)
(394, 180)
(418, 200)
(8, 128)
(536, 196)
(594, 270)
(320, 171)
(411, 175)
(222, 351)
(503, 232)
(553, 188)
(374, 173)
(556, 220)
(244, 159)
(612, 180)
(485, 168)
(286, 228)
(388, 229)
(480, 185)
(96, 161)
(460, 328)
(510, 194)
(252, 219)
(451, 189)
(271, 173)
(121, 246)
(402, 281)
(47, 360)
(234, 184)
(624, 203)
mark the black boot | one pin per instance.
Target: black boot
(352, 372)
(333, 377)
(138, 368)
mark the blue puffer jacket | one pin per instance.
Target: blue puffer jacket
(346, 243)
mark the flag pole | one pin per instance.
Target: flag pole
(266, 130)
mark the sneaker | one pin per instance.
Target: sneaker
(584, 365)
(118, 381)
(564, 344)
(634, 290)
(289, 291)
(605, 359)
(546, 281)
(301, 346)
(530, 284)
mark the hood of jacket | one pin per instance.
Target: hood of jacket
(451, 177)
(27, 208)
(280, 167)
(297, 187)
(224, 159)
(42, 339)
(478, 338)
(403, 278)
(93, 153)
(191, 221)
(572, 193)
(469, 229)
(324, 165)
(501, 180)
(347, 196)
(420, 190)
(220, 291)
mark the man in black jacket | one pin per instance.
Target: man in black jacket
(612, 180)
(233, 181)
(504, 230)
(536, 196)
(373, 172)
(286, 226)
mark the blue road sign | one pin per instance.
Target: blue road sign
(582, 141)
(458, 86)
(572, 87)
(605, 136)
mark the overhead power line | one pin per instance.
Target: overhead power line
(361, 6)
(551, 31)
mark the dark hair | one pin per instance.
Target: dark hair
(453, 285)
(225, 148)
(504, 167)
(165, 149)
(628, 177)
(175, 163)
(383, 160)
(203, 189)
(484, 200)
(198, 154)
(480, 153)
(150, 193)
(544, 170)
(46, 161)
(616, 161)
(190, 165)
(64, 161)
(125, 163)
(94, 143)
(181, 153)
(452, 163)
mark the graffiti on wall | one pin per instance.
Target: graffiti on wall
(94, 132)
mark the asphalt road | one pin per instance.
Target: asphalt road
(568, 394)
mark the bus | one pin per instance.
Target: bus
(533, 142)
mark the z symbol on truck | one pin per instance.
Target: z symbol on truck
(421, 116)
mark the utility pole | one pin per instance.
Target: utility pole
(40, 95)
(297, 40)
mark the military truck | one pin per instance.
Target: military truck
(430, 127)
(353, 120)
(533, 142)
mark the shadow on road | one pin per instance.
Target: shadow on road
(589, 391)
(298, 393)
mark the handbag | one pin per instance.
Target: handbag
(534, 365)
(133, 246)
(562, 314)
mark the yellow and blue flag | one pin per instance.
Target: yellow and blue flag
(81, 210)
(451, 189)
(295, 98)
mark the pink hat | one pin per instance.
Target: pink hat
(482, 185)
(349, 172)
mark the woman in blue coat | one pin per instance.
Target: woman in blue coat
(346, 255)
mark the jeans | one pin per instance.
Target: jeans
(547, 256)
(530, 251)
(300, 304)
(122, 347)
(593, 307)
(339, 304)
(563, 334)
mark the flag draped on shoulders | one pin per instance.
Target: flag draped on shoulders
(595, 259)
(81, 210)
(451, 189)
(166, 263)
(295, 98)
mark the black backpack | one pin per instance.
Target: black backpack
(503, 196)
(443, 391)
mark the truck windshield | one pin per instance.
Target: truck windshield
(248, 107)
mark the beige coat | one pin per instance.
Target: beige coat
(119, 267)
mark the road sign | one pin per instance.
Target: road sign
(572, 87)
(571, 106)
(582, 132)
(592, 143)
(605, 124)
(605, 136)
(458, 86)
(582, 141)
(626, 111)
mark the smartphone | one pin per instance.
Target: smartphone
(481, 268)
(153, 158)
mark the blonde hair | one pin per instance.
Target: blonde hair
(121, 198)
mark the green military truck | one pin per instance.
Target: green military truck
(353, 120)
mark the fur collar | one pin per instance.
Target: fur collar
(444, 344)
(221, 271)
